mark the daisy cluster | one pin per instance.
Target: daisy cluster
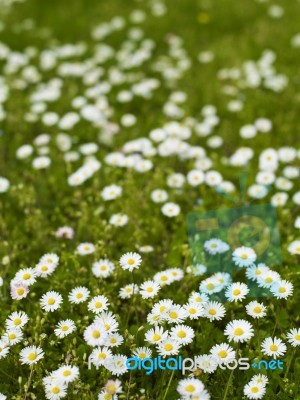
(111, 148)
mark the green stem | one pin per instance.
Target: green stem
(228, 384)
(290, 362)
(29, 382)
(170, 380)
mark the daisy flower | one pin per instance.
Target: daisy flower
(114, 340)
(168, 347)
(244, 256)
(213, 310)
(31, 355)
(95, 334)
(194, 310)
(55, 390)
(215, 246)
(103, 268)
(27, 276)
(51, 301)
(294, 247)
(239, 330)
(149, 289)
(282, 289)
(67, 373)
(18, 290)
(206, 363)
(197, 297)
(176, 314)
(182, 333)
(254, 272)
(260, 379)
(190, 387)
(118, 219)
(78, 295)
(64, 328)
(130, 261)
(210, 286)
(170, 209)
(116, 364)
(99, 355)
(254, 390)
(267, 278)
(293, 337)
(222, 352)
(98, 304)
(12, 336)
(108, 321)
(156, 335)
(50, 258)
(111, 192)
(17, 319)
(127, 291)
(142, 352)
(44, 269)
(273, 347)
(113, 387)
(4, 348)
(236, 291)
(85, 248)
(65, 232)
(163, 278)
(256, 309)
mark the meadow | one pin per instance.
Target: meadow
(122, 125)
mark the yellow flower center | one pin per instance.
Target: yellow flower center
(222, 353)
(26, 276)
(142, 355)
(96, 334)
(111, 388)
(64, 328)
(210, 286)
(150, 289)
(20, 291)
(31, 356)
(282, 289)
(257, 309)
(238, 331)
(79, 295)
(190, 388)
(181, 334)
(173, 314)
(236, 292)
(103, 267)
(12, 336)
(17, 321)
(297, 337)
(168, 347)
(273, 347)
(254, 389)
(192, 311)
(55, 390)
(212, 311)
(130, 261)
(98, 304)
(244, 256)
(156, 336)
(113, 340)
(51, 301)
(44, 268)
(102, 356)
(67, 372)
